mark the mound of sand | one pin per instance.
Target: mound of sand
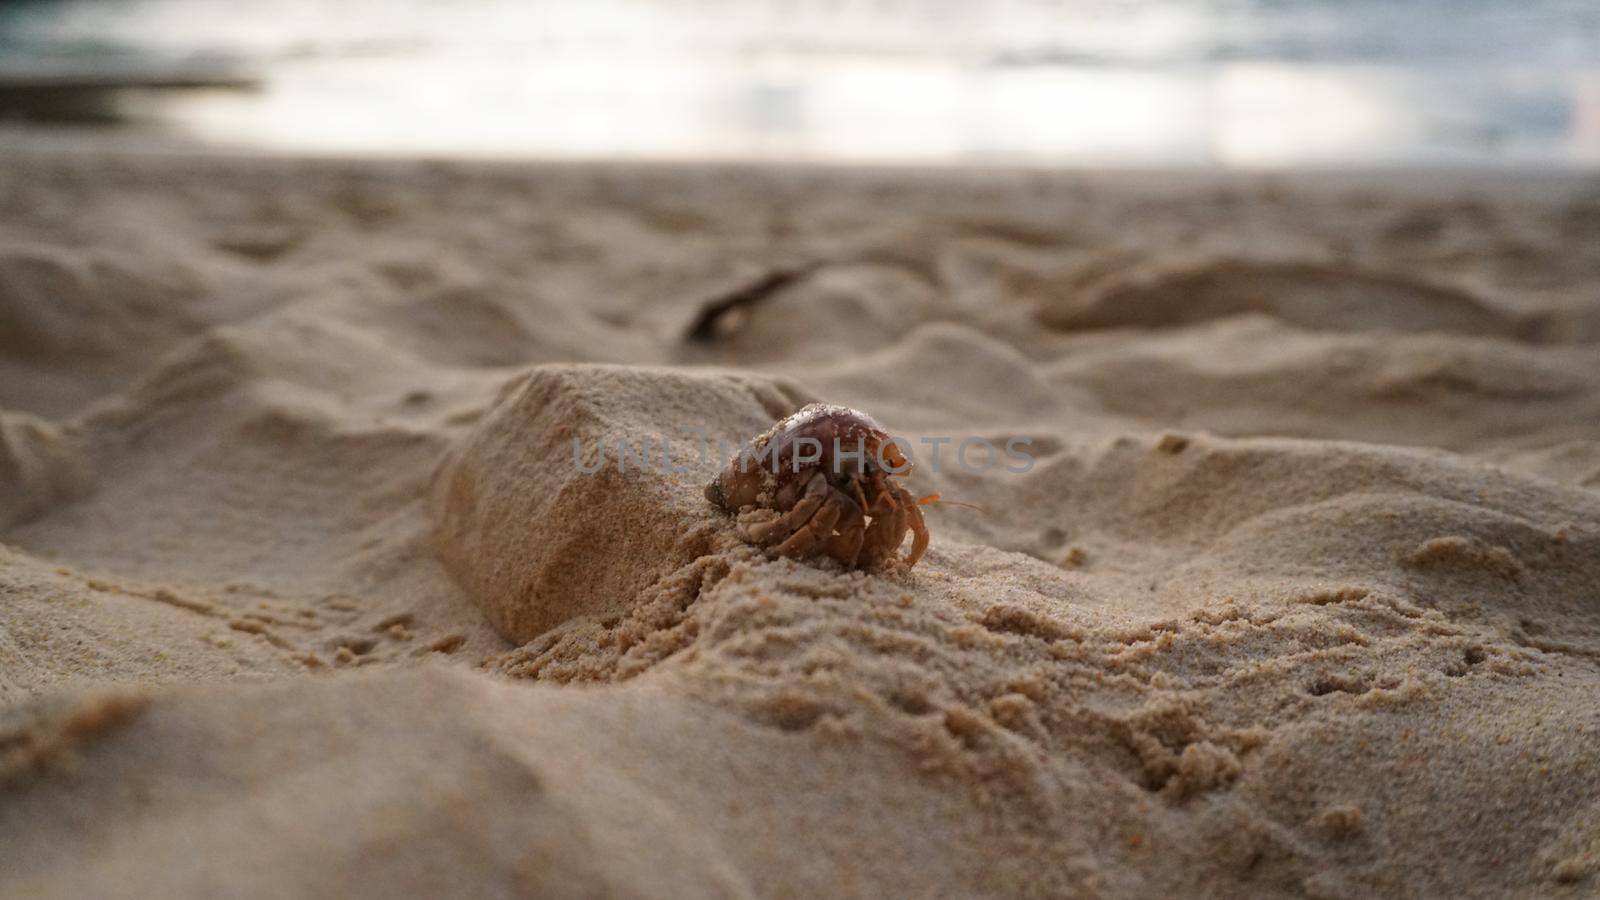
(1297, 597)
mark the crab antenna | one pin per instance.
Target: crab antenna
(935, 498)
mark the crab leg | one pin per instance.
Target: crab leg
(845, 546)
(919, 529)
(884, 535)
(777, 530)
(805, 541)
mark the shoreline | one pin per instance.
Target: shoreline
(1418, 180)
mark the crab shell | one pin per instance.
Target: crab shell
(843, 503)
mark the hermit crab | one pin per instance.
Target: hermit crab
(822, 482)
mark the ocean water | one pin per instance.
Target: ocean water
(1236, 83)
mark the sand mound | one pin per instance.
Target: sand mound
(344, 765)
(574, 469)
(1256, 376)
(73, 324)
(39, 467)
(1312, 295)
(1295, 597)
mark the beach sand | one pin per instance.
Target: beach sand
(304, 595)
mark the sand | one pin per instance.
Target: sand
(304, 595)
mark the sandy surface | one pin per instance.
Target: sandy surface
(303, 594)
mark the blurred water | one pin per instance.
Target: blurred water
(1077, 82)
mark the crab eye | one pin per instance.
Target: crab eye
(892, 457)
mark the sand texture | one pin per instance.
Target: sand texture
(302, 592)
